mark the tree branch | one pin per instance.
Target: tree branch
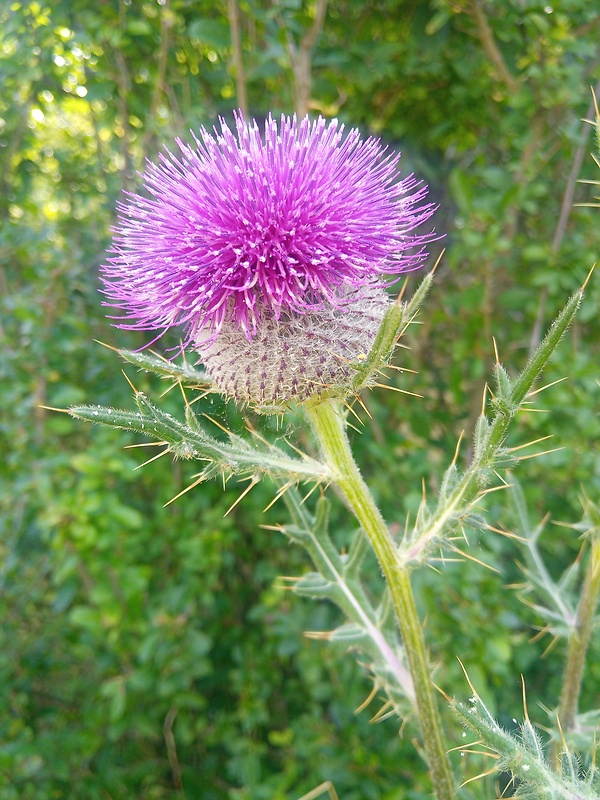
(486, 37)
(565, 213)
(166, 23)
(300, 59)
(233, 12)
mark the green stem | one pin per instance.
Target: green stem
(579, 640)
(329, 424)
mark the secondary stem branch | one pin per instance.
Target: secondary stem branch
(579, 641)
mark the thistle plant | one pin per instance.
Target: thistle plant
(275, 251)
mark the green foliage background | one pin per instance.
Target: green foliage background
(146, 651)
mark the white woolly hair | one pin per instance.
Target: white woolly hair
(297, 356)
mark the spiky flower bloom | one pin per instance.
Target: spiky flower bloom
(245, 234)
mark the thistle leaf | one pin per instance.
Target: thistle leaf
(396, 319)
(166, 369)
(524, 757)
(235, 456)
(336, 579)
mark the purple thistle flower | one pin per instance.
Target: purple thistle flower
(244, 227)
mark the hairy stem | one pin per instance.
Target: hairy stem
(328, 421)
(579, 640)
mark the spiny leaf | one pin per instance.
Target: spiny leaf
(166, 369)
(395, 321)
(337, 580)
(236, 456)
(524, 757)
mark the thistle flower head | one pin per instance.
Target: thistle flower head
(244, 228)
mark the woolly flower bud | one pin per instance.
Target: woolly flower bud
(297, 356)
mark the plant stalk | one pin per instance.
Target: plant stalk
(579, 640)
(328, 421)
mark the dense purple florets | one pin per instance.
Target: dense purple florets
(246, 224)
